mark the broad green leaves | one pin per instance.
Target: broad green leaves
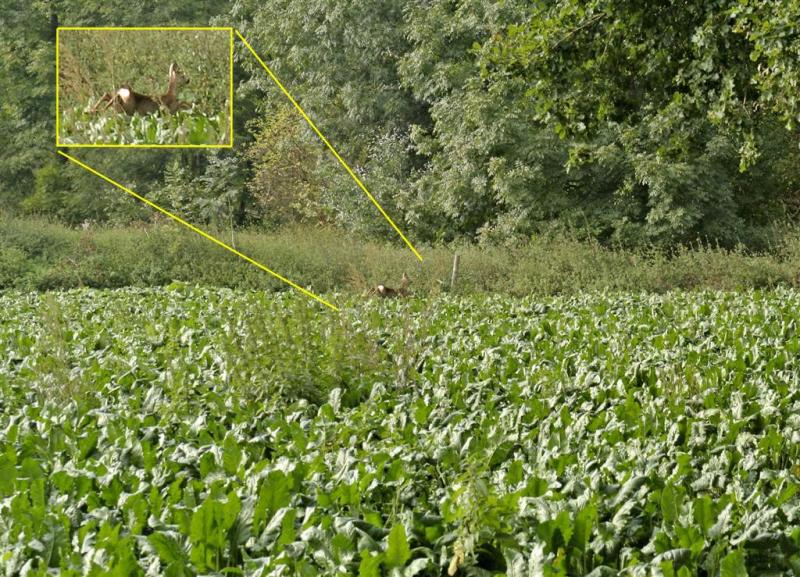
(733, 565)
(181, 128)
(186, 431)
(397, 552)
(210, 525)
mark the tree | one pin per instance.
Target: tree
(27, 80)
(285, 181)
(656, 106)
(339, 60)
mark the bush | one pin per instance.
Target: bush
(37, 254)
(13, 266)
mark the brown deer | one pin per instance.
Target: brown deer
(384, 291)
(126, 100)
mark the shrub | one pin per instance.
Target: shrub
(34, 253)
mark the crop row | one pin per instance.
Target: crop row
(187, 431)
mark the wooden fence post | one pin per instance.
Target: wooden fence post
(454, 275)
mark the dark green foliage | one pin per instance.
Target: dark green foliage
(216, 197)
(27, 111)
(180, 431)
(628, 122)
(634, 124)
(285, 182)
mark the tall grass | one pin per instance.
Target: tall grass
(36, 254)
(96, 61)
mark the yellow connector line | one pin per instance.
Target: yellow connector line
(200, 232)
(328, 144)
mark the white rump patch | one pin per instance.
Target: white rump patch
(124, 93)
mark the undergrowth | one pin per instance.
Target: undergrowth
(35, 254)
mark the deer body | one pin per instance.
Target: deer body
(130, 102)
(125, 99)
(384, 291)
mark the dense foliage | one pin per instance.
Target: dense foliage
(184, 431)
(181, 128)
(626, 121)
(36, 255)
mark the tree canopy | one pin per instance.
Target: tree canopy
(628, 121)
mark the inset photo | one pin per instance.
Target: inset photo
(144, 87)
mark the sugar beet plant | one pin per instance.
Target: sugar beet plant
(180, 128)
(186, 431)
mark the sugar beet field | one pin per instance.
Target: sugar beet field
(187, 431)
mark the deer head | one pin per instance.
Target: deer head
(177, 79)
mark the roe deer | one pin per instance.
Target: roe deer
(124, 99)
(384, 291)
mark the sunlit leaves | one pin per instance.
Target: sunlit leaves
(397, 551)
(733, 565)
(181, 128)
(655, 434)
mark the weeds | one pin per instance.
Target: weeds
(36, 254)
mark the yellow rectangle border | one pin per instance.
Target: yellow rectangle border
(163, 28)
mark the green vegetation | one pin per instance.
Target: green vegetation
(491, 120)
(611, 388)
(41, 255)
(184, 431)
(639, 125)
(194, 127)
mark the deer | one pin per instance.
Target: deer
(125, 99)
(384, 291)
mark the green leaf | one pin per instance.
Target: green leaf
(584, 523)
(666, 569)
(733, 565)
(231, 454)
(167, 548)
(397, 551)
(704, 513)
(287, 528)
(230, 510)
(8, 473)
(370, 565)
(421, 411)
(669, 505)
(274, 494)
(202, 522)
(31, 469)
